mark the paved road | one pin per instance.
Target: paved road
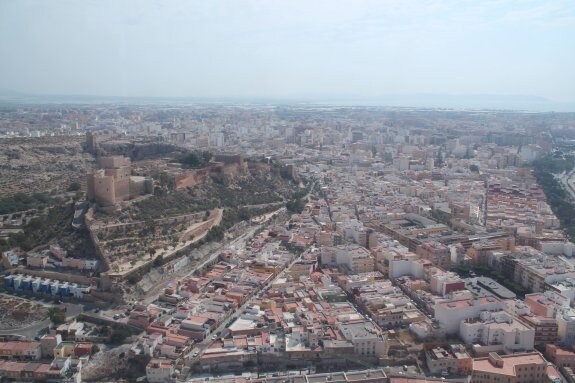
(568, 181)
(262, 205)
(30, 331)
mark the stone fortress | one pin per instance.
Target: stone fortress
(112, 182)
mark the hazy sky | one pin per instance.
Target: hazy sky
(292, 48)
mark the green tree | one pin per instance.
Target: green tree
(167, 181)
(57, 315)
(159, 261)
(74, 186)
(21, 201)
(4, 245)
(474, 168)
(119, 335)
(207, 157)
(295, 206)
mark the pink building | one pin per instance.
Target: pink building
(546, 304)
(37, 260)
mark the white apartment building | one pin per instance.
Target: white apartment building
(566, 326)
(365, 337)
(413, 267)
(450, 314)
(216, 139)
(358, 259)
(498, 331)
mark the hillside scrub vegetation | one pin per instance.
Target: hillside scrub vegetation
(22, 202)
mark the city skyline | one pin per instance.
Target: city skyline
(255, 243)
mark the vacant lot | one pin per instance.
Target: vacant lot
(18, 313)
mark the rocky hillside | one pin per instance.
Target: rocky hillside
(255, 187)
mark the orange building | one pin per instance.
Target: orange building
(560, 356)
(513, 368)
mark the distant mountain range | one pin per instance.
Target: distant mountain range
(427, 100)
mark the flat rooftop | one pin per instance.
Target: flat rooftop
(486, 286)
(510, 363)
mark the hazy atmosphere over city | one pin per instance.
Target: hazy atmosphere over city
(354, 51)
(287, 191)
